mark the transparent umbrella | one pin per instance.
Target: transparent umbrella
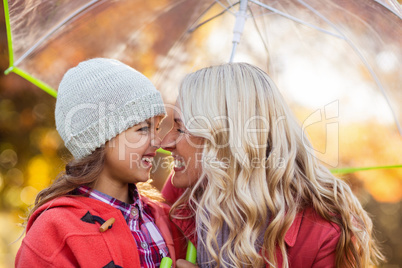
(338, 63)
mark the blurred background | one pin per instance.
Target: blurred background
(361, 134)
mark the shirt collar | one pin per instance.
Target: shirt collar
(122, 206)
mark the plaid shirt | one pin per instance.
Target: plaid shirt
(150, 243)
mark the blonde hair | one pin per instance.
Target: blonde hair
(256, 166)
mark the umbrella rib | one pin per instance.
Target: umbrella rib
(396, 7)
(260, 35)
(172, 51)
(208, 20)
(54, 29)
(199, 17)
(226, 8)
(171, 54)
(295, 19)
(357, 51)
(9, 37)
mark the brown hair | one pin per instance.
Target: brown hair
(77, 173)
(84, 172)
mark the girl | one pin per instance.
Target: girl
(254, 193)
(93, 215)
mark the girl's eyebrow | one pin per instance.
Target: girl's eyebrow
(146, 122)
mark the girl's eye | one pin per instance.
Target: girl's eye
(180, 131)
(143, 129)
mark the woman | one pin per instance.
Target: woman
(254, 193)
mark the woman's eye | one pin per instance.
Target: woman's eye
(180, 131)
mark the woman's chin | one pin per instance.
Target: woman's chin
(181, 181)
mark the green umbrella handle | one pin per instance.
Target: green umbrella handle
(166, 262)
(191, 255)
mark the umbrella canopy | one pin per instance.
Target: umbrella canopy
(338, 62)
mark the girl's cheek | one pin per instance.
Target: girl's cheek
(140, 138)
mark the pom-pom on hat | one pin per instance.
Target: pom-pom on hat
(99, 99)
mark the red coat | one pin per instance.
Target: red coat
(57, 236)
(310, 241)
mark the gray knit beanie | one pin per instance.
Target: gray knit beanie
(99, 99)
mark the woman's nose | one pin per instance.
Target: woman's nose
(169, 141)
(156, 141)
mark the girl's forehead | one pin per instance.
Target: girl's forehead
(152, 121)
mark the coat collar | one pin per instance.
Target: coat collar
(291, 234)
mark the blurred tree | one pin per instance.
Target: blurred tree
(32, 153)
